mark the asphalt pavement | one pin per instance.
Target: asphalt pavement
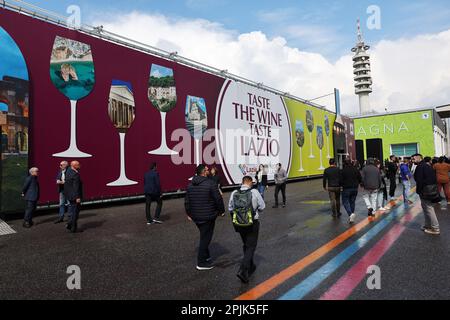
(303, 253)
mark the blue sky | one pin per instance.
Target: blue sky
(13, 63)
(122, 83)
(326, 27)
(160, 71)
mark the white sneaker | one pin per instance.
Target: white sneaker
(382, 209)
(351, 219)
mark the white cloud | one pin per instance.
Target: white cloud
(407, 73)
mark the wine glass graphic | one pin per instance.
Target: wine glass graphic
(300, 138)
(196, 122)
(72, 73)
(320, 142)
(310, 125)
(121, 110)
(327, 132)
(162, 94)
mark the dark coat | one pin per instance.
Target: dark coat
(73, 186)
(424, 176)
(31, 189)
(350, 177)
(152, 184)
(203, 201)
(371, 177)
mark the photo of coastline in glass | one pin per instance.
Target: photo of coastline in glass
(14, 123)
(72, 68)
(161, 91)
(121, 107)
(196, 117)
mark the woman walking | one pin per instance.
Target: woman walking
(261, 179)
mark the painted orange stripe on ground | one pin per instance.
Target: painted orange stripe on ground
(268, 285)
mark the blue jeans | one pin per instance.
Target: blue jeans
(63, 203)
(261, 189)
(406, 189)
(349, 200)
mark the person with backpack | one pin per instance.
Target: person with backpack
(427, 189)
(245, 206)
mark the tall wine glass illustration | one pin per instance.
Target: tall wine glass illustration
(327, 132)
(196, 122)
(72, 73)
(320, 142)
(310, 125)
(121, 110)
(163, 96)
(300, 138)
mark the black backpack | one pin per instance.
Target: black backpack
(243, 213)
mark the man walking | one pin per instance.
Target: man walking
(392, 169)
(203, 203)
(152, 190)
(332, 177)
(244, 201)
(425, 182)
(406, 176)
(280, 184)
(371, 179)
(60, 179)
(73, 191)
(351, 179)
(30, 193)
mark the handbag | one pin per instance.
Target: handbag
(431, 192)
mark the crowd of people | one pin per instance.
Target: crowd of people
(378, 183)
(204, 202)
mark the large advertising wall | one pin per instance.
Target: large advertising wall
(404, 128)
(312, 143)
(117, 110)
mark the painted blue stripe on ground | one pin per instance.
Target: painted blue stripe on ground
(310, 283)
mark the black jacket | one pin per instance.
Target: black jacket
(73, 187)
(424, 176)
(263, 181)
(152, 184)
(31, 188)
(203, 201)
(350, 177)
(332, 175)
(392, 169)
